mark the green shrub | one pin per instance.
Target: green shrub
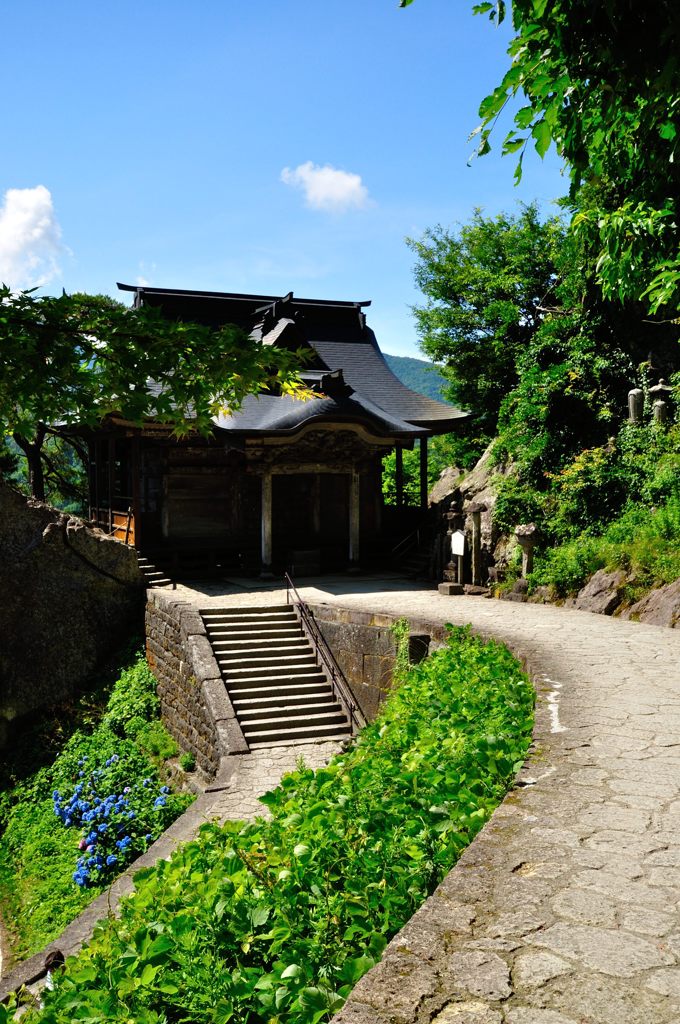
(517, 502)
(644, 542)
(566, 568)
(277, 920)
(187, 762)
(156, 742)
(133, 701)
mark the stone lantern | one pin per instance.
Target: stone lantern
(661, 398)
(526, 535)
(455, 545)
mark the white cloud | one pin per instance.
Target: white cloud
(327, 188)
(30, 238)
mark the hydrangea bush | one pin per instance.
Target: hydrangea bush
(117, 821)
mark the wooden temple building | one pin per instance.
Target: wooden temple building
(281, 483)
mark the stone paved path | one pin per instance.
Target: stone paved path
(261, 771)
(566, 908)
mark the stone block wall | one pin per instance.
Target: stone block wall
(365, 650)
(194, 702)
(69, 594)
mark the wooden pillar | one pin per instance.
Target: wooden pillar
(399, 475)
(266, 514)
(354, 519)
(136, 491)
(475, 511)
(96, 444)
(111, 478)
(316, 506)
(423, 473)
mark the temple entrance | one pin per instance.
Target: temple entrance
(310, 521)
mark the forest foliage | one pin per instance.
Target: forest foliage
(601, 82)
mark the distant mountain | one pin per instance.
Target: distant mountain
(417, 374)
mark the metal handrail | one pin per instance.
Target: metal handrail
(410, 540)
(341, 688)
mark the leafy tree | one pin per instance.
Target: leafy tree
(74, 359)
(602, 81)
(489, 286)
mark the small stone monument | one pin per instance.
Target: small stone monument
(636, 405)
(526, 535)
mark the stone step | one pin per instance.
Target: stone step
(283, 732)
(272, 643)
(293, 688)
(266, 744)
(305, 713)
(270, 672)
(243, 705)
(303, 657)
(208, 614)
(254, 629)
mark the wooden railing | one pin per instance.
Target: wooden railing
(341, 688)
(118, 523)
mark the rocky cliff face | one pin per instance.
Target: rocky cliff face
(479, 486)
(68, 594)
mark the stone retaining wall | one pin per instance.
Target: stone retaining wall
(364, 648)
(69, 593)
(194, 702)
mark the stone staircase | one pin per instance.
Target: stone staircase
(153, 576)
(278, 690)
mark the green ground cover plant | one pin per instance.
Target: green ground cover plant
(69, 827)
(616, 506)
(276, 920)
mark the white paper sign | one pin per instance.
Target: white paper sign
(458, 543)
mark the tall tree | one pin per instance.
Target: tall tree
(488, 286)
(601, 79)
(74, 359)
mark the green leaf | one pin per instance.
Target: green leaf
(524, 117)
(542, 135)
(511, 145)
(148, 974)
(161, 944)
(168, 987)
(259, 915)
(292, 971)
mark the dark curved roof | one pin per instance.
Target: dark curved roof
(340, 340)
(286, 415)
(364, 367)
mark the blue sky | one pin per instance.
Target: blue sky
(253, 146)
